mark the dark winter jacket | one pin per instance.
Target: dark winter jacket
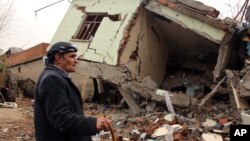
(58, 113)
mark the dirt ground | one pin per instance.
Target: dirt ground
(16, 124)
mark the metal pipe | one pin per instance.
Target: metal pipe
(47, 6)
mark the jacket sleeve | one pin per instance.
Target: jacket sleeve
(56, 105)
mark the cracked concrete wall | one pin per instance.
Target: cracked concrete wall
(155, 51)
(69, 25)
(86, 71)
(146, 52)
(120, 74)
(105, 45)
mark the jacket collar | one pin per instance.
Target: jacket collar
(59, 70)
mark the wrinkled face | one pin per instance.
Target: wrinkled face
(66, 61)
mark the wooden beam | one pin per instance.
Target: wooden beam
(204, 100)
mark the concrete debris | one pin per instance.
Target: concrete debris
(245, 117)
(169, 117)
(227, 124)
(209, 123)
(8, 105)
(125, 139)
(135, 132)
(149, 82)
(245, 85)
(183, 100)
(239, 84)
(195, 132)
(177, 99)
(211, 137)
(177, 127)
(162, 131)
(4, 130)
(166, 131)
(151, 107)
(104, 135)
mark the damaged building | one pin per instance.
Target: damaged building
(23, 69)
(140, 46)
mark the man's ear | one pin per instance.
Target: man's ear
(58, 58)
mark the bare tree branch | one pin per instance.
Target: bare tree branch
(5, 15)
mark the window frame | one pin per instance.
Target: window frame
(89, 26)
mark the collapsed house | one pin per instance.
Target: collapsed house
(141, 46)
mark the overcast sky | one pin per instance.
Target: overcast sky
(27, 29)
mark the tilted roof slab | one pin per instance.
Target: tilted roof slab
(208, 28)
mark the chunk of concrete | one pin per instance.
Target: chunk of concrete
(169, 117)
(245, 115)
(211, 137)
(209, 123)
(181, 100)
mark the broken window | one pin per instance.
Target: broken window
(89, 26)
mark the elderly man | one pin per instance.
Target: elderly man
(58, 113)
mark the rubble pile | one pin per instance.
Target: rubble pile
(208, 123)
(188, 124)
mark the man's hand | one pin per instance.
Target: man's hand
(102, 123)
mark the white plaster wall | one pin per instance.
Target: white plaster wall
(104, 47)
